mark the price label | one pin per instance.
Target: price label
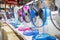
(11, 1)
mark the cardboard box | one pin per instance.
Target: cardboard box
(4, 35)
(12, 36)
(8, 33)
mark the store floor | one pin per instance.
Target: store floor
(0, 35)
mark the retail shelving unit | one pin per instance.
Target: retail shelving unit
(2, 5)
(8, 33)
(20, 33)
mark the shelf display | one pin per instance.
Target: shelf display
(30, 14)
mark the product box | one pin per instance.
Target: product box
(8, 34)
(12, 36)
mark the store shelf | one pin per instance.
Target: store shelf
(20, 33)
(8, 33)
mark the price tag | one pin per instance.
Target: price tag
(11, 1)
